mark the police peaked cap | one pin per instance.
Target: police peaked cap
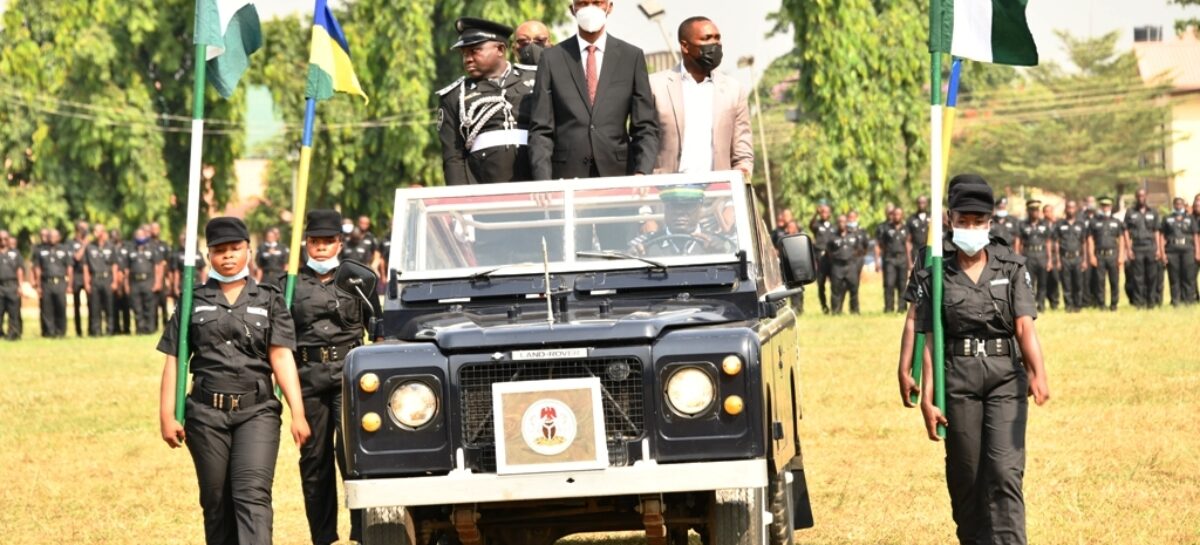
(970, 193)
(1105, 201)
(323, 223)
(472, 31)
(224, 230)
(682, 193)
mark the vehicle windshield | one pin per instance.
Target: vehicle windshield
(587, 225)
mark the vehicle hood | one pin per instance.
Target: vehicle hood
(469, 330)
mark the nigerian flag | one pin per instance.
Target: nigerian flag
(230, 29)
(993, 31)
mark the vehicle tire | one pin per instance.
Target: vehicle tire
(736, 517)
(782, 506)
(386, 526)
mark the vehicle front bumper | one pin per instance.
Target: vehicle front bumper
(460, 488)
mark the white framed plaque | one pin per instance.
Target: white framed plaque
(549, 425)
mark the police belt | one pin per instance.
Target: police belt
(229, 397)
(978, 347)
(324, 354)
(53, 279)
(1106, 252)
(1071, 254)
(495, 139)
(1184, 241)
(1035, 247)
(138, 277)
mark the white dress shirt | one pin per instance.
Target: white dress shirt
(601, 44)
(696, 150)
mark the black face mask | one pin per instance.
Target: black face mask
(710, 57)
(530, 54)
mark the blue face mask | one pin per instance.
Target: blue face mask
(971, 241)
(141, 240)
(212, 273)
(323, 266)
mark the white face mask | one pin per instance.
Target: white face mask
(347, 228)
(971, 241)
(591, 18)
(1002, 213)
(323, 266)
(212, 273)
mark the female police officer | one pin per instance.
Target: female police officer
(989, 311)
(329, 323)
(240, 333)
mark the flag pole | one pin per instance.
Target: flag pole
(300, 199)
(936, 178)
(193, 221)
(947, 136)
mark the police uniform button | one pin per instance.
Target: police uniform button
(228, 342)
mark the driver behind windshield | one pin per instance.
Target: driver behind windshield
(686, 228)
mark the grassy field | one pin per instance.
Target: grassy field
(1114, 458)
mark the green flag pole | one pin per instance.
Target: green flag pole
(935, 227)
(193, 221)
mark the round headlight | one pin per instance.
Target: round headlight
(413, 404)
(690, 391)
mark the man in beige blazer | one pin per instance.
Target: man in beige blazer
(703, 115)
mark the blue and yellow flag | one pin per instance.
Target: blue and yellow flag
(329, 67)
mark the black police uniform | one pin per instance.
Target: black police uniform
(54, 261)
(1091, 279)
(1005, 228)
(483, 124)
(163, 251)
(11, 262)
(1071, 238)
(1179, 233)
(122, 304)
(74, 246)
(893, 249)
(99, 260)
(272, 260)
(1034, 237)
(986, 387)
(177, 265)
(141, 263)
(918, 232)
(329, 323)
(845, 251)
(1143, 269)
(823, 233)
(232, 416)
(1107, 233)
(361, 251)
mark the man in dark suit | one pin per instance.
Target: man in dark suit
(593, 110)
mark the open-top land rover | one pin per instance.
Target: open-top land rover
(580, 356)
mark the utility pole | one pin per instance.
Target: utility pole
(748, 62)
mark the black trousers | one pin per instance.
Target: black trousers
(843, 280)
(1142, 277)
(76, 297)
(895, 274)
(122, 308)
(1040, 276)
(986, 412)
(321, 385)
(142, 300)
(10, 306)
(1108, 270)
(234, 453)
(1072, 282)
(1053, 287)
(54, 307)
(1092, 279)
(101, 320)
(161, 309)
(823, 272)
(1181, 266)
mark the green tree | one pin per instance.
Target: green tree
(1097, 129)
(94, 102)
(861, 136)
(1182, 24)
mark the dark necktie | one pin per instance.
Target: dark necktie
(592, 77)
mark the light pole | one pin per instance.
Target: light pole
(655, 12)
(748, 62)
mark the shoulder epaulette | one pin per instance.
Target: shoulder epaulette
(1011, 257)
(448, 88)
(526, 67)
(270, 287)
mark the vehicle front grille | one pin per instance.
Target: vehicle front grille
(620, 388)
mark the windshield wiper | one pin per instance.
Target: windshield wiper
(487, 273)
(610, 254)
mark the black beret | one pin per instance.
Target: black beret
(472, 31)
(225, 229)
(971, 193)
(323, 223)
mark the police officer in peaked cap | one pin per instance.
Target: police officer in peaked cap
(330, 322)
(483, 120)
(240, 334)
(993, 362)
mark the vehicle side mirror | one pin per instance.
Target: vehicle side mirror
(799, 260)
(353, 276)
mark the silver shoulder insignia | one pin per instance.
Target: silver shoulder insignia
(525, 67)
(448, 88)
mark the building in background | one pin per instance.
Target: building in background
(1178, 60)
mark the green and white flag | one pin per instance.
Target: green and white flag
(993, 31)
(231, 30)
